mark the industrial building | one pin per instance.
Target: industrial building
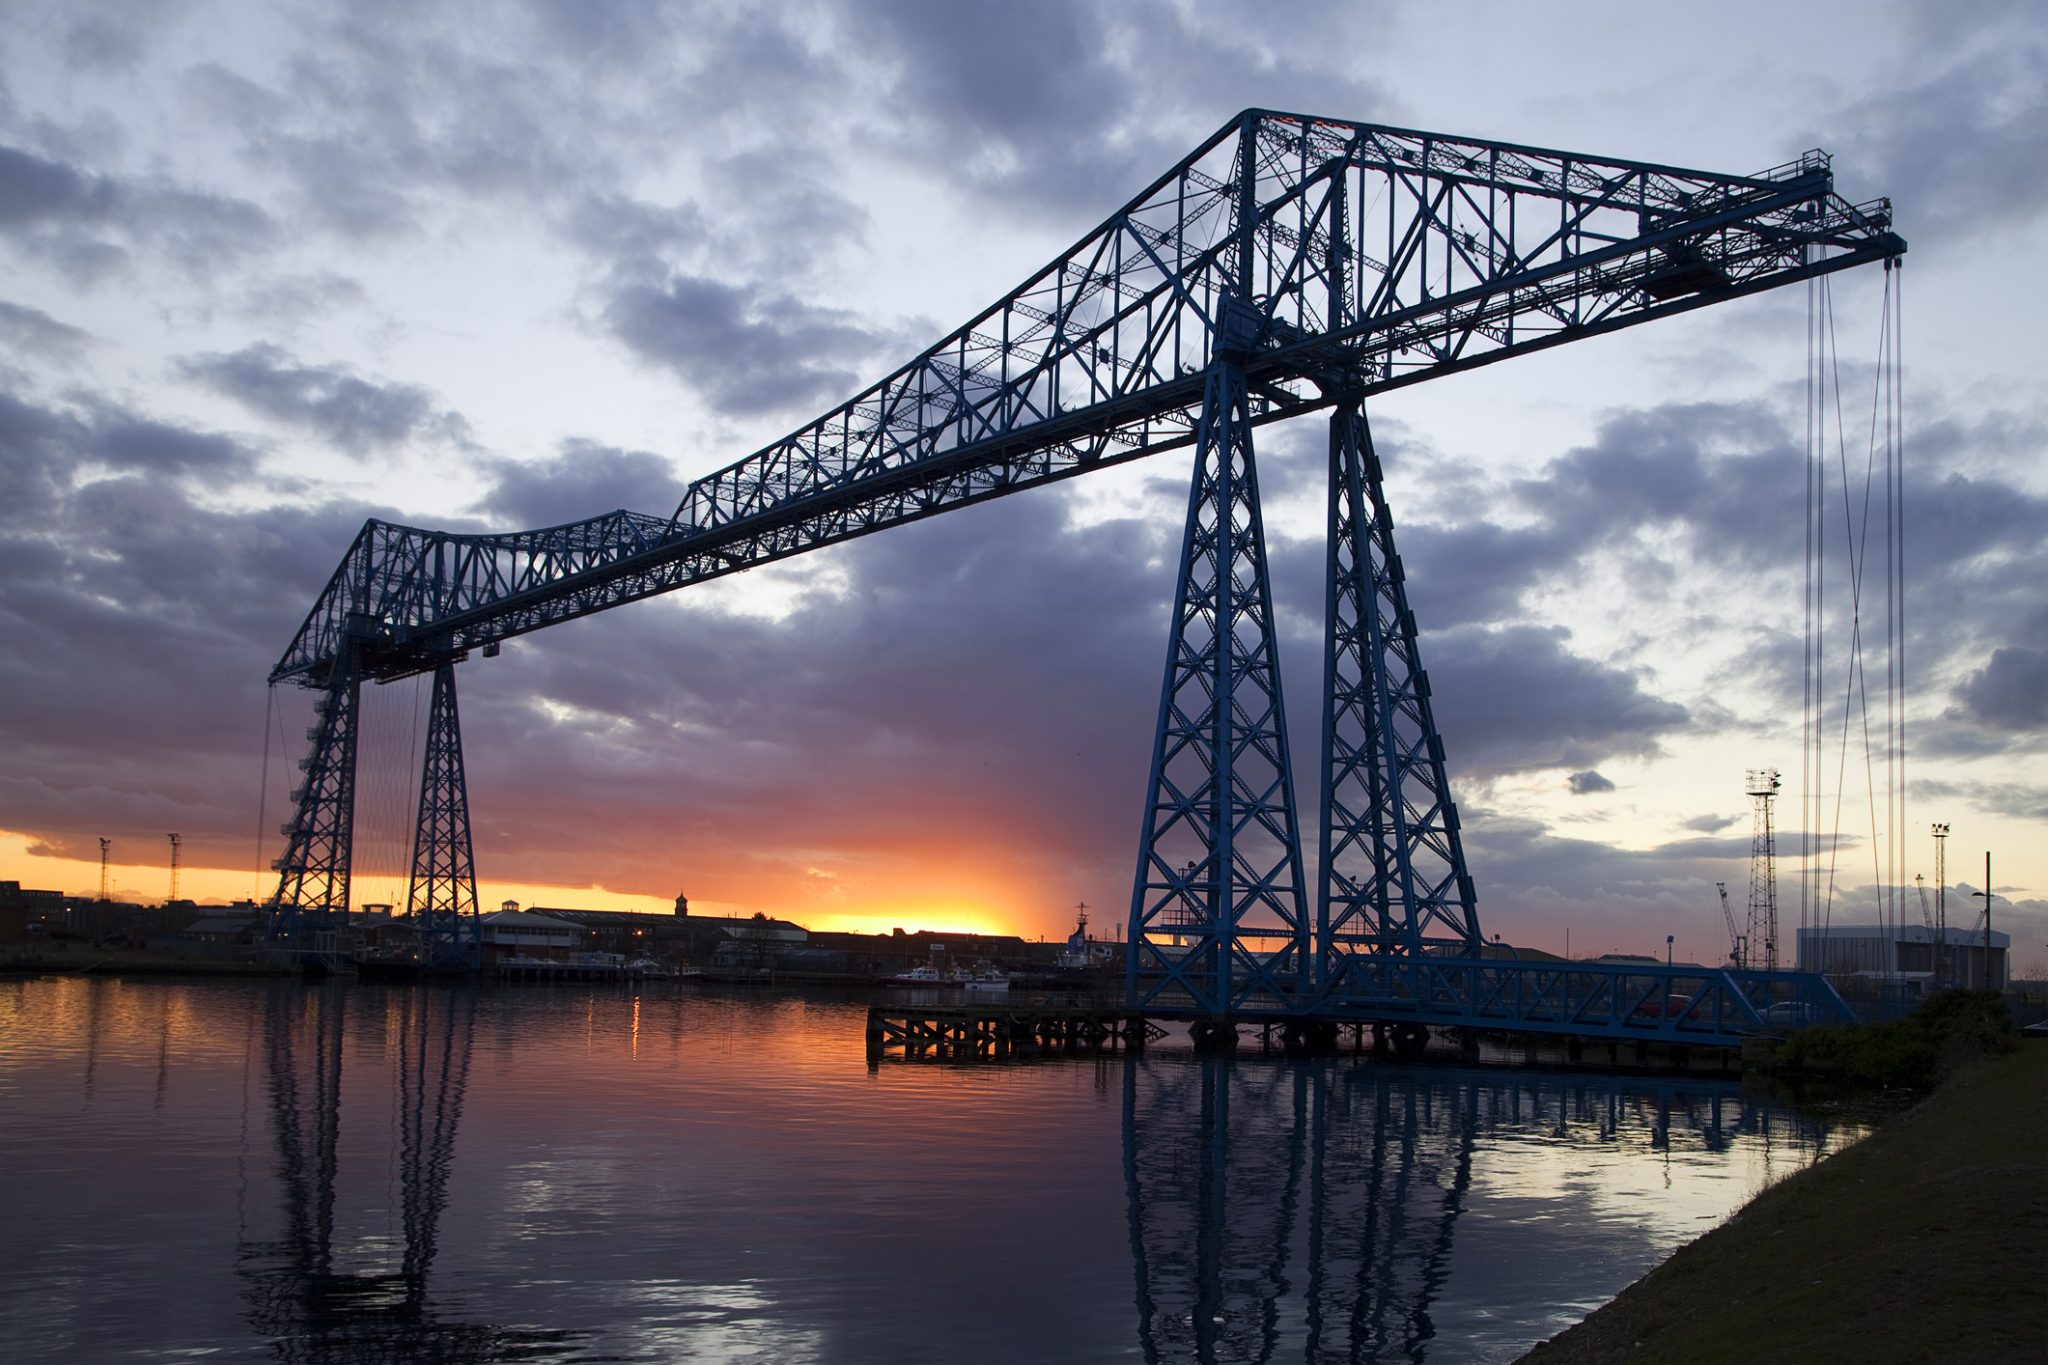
(1906, 952)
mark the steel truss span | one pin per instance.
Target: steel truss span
(1289, 264)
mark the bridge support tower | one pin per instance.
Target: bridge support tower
(313, 872)
(442, 895)
(1216, 913)
(1393, 882)
(315, 869)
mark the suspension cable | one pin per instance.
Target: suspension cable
(1886, 420)
(263, 795)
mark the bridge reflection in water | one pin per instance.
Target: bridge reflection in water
(1310, 1210)
(457, 1175)
(326, 1288)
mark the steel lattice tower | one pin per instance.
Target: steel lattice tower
(441, 897)
(1393, 878)
(1763, 872)
(1216, 911)
(1289, 264)
(313, 884)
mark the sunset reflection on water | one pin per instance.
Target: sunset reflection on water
(354, 1172)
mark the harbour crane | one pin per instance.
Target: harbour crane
(1737, 943)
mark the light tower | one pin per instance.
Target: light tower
(1762, 786)
(175, 842)
(1940, 908)
(105, 844)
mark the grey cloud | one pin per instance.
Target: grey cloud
(106, 561)
(359, 415)
(201, 232)
(583, 480)
(1516, 699)
(38, 451)
(34, 190)
(1050, 106)
(46, 454)
(1588, 783)
(1479, 571)
(614, 34)
(390, 117)
(636, 239)
(1025, 100)
(2017, 800)
(95, 44)
(793, 221)
(155, 448)
(2010, 692)
(32, 332)
(995, 668)
(746, 351)
(1960, 151)
(1711, 824)
(1707, 467)
(89, 224)
(289, 302)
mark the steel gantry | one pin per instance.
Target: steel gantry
(1289, 264)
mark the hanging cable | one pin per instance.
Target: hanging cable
(1886, 854)
(263, 794)
(1895, 438)
(1808, 770)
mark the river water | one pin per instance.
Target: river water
(349, 1172)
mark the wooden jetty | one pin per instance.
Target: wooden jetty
(999, 1030)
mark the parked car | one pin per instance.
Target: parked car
(1791, 1014)
(1668, 1007)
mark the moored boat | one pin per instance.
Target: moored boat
(920, 978)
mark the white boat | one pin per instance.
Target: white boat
(987, 981)
(922, 978)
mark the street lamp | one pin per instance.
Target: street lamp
(1988, 898)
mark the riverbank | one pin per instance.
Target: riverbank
(79, 959)
(1922, 1243)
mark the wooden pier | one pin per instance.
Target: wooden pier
(1002, 1030)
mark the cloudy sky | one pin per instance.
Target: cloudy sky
(269, 269)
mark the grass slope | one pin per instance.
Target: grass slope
(1925, 1242)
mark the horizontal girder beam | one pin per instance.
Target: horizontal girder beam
(1456, 253)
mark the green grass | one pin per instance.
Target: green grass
(1950, 1031)
(1925, 1242)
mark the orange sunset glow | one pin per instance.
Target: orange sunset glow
(818, 903)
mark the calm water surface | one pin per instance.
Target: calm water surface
(276, 1172)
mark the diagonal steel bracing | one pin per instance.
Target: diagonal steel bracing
(441, 897)
(1379, 256)
(1393, 877)
(1216, 913)
(1289, 264)
(313, 872)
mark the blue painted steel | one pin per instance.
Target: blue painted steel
(1618, 1001)
(1287, 265)
(1263, 1199)
(1376, 257)
(313, 871)
(1216, 910)
(1393, 878)
(441, 897)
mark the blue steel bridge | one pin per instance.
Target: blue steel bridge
(1288, 265)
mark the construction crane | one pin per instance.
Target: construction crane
(1737, 942)
(1926, 914)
